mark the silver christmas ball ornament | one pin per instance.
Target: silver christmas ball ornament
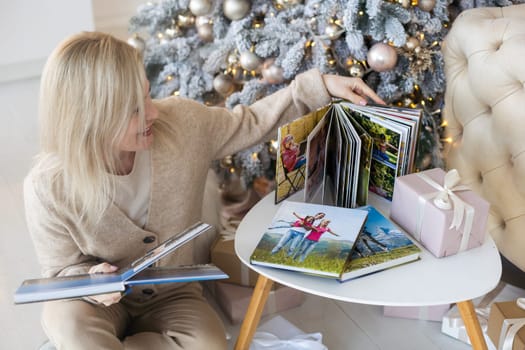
(426, 5)
(249, 60)
(381, 57)
(271, 73)
(205, 32)
(202, 20)
(137, 42)
(200, 7)
(223, 84)
(412, 43)
(233, 58)
(236, 9)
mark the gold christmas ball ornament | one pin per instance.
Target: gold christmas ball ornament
(258, 20)
(223, 84)
(426, 5)
(212, 98)
(235, 9)
(356, 70)
(137, 42)
(405, 3)
(412, 43)
(200, 7)
(381, 57)
(226, 162)
(271, 73)
(287, 3)
(333, 31)
(249, 61)
(173, 31)
(185, 19)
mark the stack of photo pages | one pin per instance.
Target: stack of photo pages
(341, 151)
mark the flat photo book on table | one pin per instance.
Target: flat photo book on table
(138, 272)
(380, 246)
(310, 238)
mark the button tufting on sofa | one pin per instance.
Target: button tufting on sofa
(485, 114)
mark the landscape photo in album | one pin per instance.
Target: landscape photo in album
(311, 238)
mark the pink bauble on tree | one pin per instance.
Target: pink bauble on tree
(381, 57)
(271, 73)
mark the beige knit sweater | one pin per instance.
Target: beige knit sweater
(66, 246)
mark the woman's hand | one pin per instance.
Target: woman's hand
(353, 89)
(106, 299)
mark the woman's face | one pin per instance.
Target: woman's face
(136, 139)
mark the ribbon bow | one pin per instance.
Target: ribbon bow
(510, 327)
(446, 199)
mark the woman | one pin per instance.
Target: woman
(118, 173)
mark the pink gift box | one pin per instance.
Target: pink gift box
(414, 209)
(234, 300)
(426, 313)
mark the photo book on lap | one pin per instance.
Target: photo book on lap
(138, 272)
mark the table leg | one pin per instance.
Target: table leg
(253, 314)
(475, 334)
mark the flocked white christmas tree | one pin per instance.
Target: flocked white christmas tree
(226, 52)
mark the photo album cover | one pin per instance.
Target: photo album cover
(381, 245)
(310, 238)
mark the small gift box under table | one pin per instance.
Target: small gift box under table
(234, 299)
(418, 206)
(503, 316)
(224, 257)
(425, 313)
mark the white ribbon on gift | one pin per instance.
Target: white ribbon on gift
(510, 327)
(446, 199)
(266, 340)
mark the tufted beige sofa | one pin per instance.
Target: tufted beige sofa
(485, 110)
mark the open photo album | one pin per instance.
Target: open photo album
(138, 272)
(341, 151)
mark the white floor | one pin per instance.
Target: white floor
(343, 325)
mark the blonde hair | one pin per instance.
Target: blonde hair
(91, 86)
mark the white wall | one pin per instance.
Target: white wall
(113, 16)
(30, 29)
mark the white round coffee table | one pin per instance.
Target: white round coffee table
(430, 281)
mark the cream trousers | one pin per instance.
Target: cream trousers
(178, 318)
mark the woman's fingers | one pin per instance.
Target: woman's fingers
(103, 268)
(353, 89)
